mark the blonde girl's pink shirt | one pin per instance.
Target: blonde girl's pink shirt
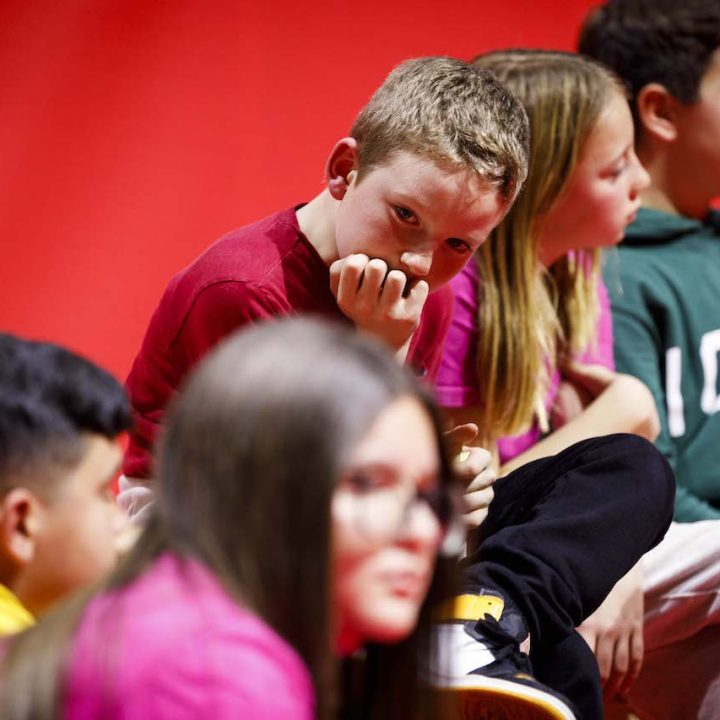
(456, 384)
(173, 644)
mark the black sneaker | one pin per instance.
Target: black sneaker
(483, 671)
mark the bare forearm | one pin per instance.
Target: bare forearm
(626, 405)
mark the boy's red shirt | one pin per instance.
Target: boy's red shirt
(257, 272)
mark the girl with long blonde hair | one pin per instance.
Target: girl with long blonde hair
(533, 303)
(529, 354)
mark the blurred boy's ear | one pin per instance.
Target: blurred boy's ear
(19, 523)
(657, 110)
(341, 167)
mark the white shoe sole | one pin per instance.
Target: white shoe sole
(478, 697)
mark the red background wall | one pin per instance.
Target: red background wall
(135, 132)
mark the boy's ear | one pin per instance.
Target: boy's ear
(341, 167)
(19, 523)
(657, 110)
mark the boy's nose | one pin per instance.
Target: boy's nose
(418, 262)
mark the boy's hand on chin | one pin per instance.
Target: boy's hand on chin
(385, 304)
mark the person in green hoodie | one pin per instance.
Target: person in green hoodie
(664, 285)
(665, 288)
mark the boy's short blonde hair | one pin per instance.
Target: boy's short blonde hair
(451, 112)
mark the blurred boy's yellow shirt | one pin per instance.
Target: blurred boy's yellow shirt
(14, 617)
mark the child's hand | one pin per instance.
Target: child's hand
(474, 466)
(569, 403)
(591, 378)
(376, 300)
(580, 385)
(614, 633)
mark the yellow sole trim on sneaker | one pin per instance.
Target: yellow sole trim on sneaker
(484, 698)
(470, 607)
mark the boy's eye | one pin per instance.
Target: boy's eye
(404, 214)
(458, 245)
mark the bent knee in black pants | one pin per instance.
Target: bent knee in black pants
(562, 530)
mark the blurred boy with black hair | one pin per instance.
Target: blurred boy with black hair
(60, 416)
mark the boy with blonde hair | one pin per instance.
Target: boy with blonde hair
(426, 172)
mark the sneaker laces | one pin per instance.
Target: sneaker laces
(503, 639)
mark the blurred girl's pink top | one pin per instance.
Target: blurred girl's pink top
(174, 644)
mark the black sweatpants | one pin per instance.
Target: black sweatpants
(559, 534)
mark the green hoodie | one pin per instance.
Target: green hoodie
(664, 288)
